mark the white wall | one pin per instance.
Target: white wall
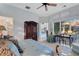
(66, 15)
(19, 17)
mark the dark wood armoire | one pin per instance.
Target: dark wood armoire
(30, 30)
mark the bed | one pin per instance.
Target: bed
(13, 48)
(8, 48)
(34, 48)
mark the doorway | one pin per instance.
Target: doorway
(30, 30)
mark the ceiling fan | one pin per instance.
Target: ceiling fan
(47, 4)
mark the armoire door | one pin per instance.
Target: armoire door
(30, 30)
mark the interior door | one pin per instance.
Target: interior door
(30, 30)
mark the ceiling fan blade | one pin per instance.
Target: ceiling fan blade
(52, 4)
(46, 7)
(40, 6)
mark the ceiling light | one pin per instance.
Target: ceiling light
(27, 7)
(64, 6)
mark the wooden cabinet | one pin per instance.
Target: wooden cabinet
(30, 30)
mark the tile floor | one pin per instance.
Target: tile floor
(65, 50)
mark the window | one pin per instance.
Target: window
(56, 27)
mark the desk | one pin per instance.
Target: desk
(65, 39)
(60, 36)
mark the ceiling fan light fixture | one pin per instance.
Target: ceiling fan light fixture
(64, 6)
(46, 5)
(27, 7)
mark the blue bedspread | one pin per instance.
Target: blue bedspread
(13, 48)
(34, 48)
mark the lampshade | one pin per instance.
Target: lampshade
(69, 31)
(66, 23)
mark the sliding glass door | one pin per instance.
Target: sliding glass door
(56, 27)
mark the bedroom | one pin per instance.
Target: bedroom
(44, 19)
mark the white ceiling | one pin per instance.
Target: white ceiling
(41, 12)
